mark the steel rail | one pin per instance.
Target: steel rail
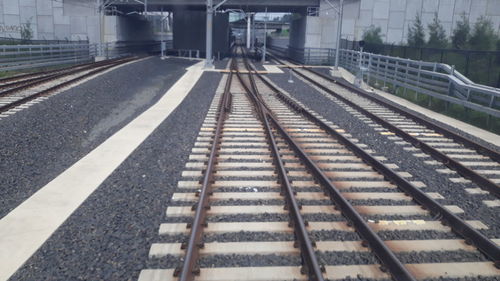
(471, 235)
(312, 267)
(63, 84)
(387, 257)
(37, 81)
(190, 269)
(20, 76)
(47, 74)
(493, 154)
(483, 182)
(38, 73)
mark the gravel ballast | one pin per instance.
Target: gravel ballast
(40, 142)
(109, 236)
(454, 193)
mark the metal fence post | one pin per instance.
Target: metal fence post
(418, 80)
(368, 76)
(406, 76)
(385, 71)
(467, 62)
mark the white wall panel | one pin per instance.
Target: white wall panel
(381, 9)
(446, 10)
(365, 18)
(25, 3)
(478, 8)
(395, 36)
(430, 5)
(493, 8)
(398, 5)
(62, 31)
(59, 17)
(78, 25)
(45, 24)
(44, 7)
(11, 7)
(413, 7)
(396, 19)
(28, 14)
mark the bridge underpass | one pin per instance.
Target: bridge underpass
(246, 5)
(190, 22)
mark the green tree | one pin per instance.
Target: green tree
(416, 33)
(27, 31)
(437, 35)
(373, 35)
(461, 33)
(373, 38)
(483, 37)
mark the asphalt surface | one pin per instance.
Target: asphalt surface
(41, 142)
(109, 236)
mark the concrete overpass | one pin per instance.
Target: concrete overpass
(246, 5)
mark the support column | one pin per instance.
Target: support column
(264, 49)
(339, 34)
(249, 22)
(210, 14)
(254, 34)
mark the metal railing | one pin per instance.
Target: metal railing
(20, 41)
(482, 67)
(17, 57)
(436, 80)
(187, 53)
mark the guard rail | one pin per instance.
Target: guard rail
(17, 57)
(437, 80)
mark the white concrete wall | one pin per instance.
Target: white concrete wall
(311, 32)
(394, 16)
(50, 19)
(67, 19)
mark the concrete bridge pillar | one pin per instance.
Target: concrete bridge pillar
(190, 31)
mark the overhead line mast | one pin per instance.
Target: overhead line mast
(211, 9)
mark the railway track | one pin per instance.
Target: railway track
(475, 162)
(273, 191)
(22, 91)
(7, 81)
